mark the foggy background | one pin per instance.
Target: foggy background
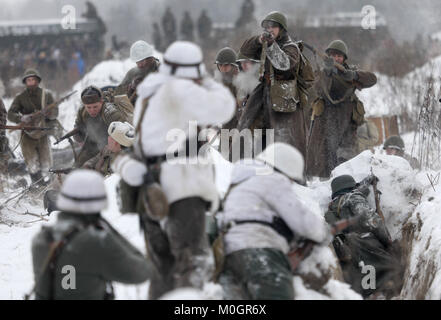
(131, 20)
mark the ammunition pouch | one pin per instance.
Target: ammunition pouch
(154, 201)
(284, 95)
(218, 248)
(318, 106)
(358, 112)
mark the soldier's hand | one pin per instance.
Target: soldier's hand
(349, 75)
(26, 118)
(329, 66)
(372, 178)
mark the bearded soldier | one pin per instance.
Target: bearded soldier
(260, 217)
(93, 121)
(338, 111)
(34, 144)
(142, 54)
(83, 244)
(394, 146)
(367, 242)
(278, 99)
(173, 170)
(227, 70)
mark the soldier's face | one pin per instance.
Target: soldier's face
(144, 63)
(338, 57)
(246, 65)
(31, 82)
(273, 30)
(392, 152)
(94, 109)
(225, 68)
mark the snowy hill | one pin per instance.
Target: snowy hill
(391, 96)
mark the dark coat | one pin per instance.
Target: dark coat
(334, 131)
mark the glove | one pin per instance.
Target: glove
(329, 66)
(131, 171)
(372, 178)
(349, 75)
(26, 118)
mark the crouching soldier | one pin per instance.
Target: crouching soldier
(82, 254)
(176, 181)
(261, 215)
(394, 146)
(121, 136)
(93, 121)
(366, 243)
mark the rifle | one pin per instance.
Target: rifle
(61, 171)
(68, 135)
(377, 194)
(22, 126)
(37, 118)
(301, 252)
(324, 56)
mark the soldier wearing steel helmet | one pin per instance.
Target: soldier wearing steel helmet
(367, 241)
(93, 120)
(259, 208)
(82, 254)
(142, 54)
(278, 98)
(337, 111)
(394, 145)
(36, 151)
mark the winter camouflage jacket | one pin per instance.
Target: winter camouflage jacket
(29, 101)
(96, 254)
(93, 131)
(258, 194)
(354, 204)
(283, 54)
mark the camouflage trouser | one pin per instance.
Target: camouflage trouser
(257, 274)
(37, 153)
(180, 251)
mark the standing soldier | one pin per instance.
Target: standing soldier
(141, 53)
(338, 110)
(34, 144)
(281, 94)
(204, 26)
(367, 242)
(3, 145)
(81, 244)
(169, 27)
(187, 27)
(93, 121)
(394, 146)
(260, 217)
(176, 96)
(227, 68)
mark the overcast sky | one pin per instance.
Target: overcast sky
(133, 18)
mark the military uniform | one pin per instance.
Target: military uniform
(95, 252)
(93, 131)
(36, 152)
(283, 59)
(338, 114)
(3, 139)
(132, 78)
(367, 241)
(397, 143)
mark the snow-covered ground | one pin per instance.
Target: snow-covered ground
(410, 203)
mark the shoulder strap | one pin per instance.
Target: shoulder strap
(138, 128)
(43, 98)
(49, 263)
